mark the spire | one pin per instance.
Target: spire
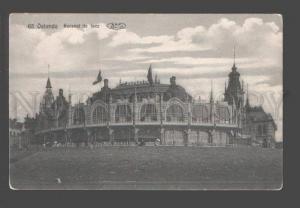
(234, 55)
(225, 87)
(211, 92)
(247, 99)
(70, 95)
(48, 86)
(234, 67)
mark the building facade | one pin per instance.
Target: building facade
(15, 130)
(19, 134)
(144, 111)
(260, 126)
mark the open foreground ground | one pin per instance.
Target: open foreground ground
(149, 168)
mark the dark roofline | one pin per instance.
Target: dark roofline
(261, 109)
(14, 124)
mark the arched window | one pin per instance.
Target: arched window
(78, 116)
(148, 112)
(123, 113)
(200, 113)
(175, 113)
(222, 115)
(99, 115)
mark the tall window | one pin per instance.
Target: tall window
(99, 115)
(123, 113)
(259, 130)
(175, 113)
(200, 113)
(148, 112)
(222, 115)
(78, 116)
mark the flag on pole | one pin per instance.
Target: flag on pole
(149, 75)
(99, 78)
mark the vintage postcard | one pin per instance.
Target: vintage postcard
(145, 101)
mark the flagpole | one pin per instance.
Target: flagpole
(98, 80)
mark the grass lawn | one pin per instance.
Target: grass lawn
(149, 168)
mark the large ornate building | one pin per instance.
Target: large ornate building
(135, 112)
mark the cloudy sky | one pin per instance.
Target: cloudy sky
(196, 48)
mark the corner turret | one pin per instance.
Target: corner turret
(234, 92)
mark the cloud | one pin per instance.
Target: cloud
(197, 61)
(258, 47)
(265, 39)
(129, 57)
(171, 46)
(31, 50)
(75, 49)
(22, 43)
(63, 49)
(126, 37)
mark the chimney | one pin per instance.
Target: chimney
(105, 83)
(173, 81)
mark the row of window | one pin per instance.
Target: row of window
(175, 113)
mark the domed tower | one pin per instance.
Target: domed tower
(48, 99)
(175, 90)
(234, 92)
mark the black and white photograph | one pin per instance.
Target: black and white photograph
(142, 101)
